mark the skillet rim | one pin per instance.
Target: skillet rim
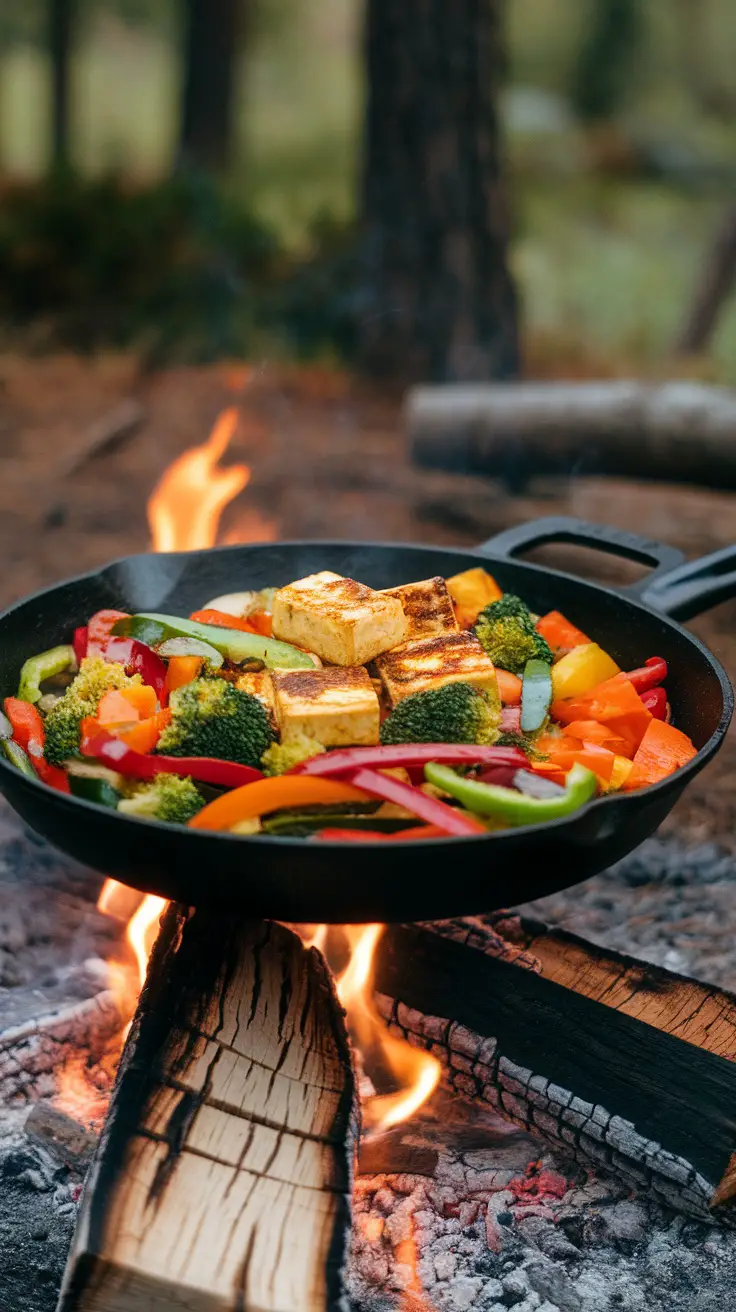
(693, 767)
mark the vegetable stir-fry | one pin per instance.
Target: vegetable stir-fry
(332, 712)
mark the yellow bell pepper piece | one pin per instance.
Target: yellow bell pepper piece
(622, 768)
(580, 670)
(470, 592)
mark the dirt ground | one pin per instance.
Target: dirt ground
(327, 459)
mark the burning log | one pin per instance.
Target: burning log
(679, 432)
(223, 1177)
(624, 1065)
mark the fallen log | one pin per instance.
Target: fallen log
(626, 1066)
(223, 1178)
(677, 432)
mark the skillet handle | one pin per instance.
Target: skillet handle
(665, 560)
(692, 587)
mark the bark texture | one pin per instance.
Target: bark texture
(223, 1178)
(439, 302)
(211, 29)
(624, 1065)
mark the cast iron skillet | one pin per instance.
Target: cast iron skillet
(298, 880)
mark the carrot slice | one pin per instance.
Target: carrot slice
(223, 621)
(662, 750)
(271, 795)
(121, 706)
(615, 703)
(559, 632)
(144, 736)
(591, 731)
(509, 686)
(566, 752)
(181, 670)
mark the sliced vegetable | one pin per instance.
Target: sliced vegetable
(30, 735)
(536, 695)
(257, 799)
(471, 591)
(127, 704)
(309, 822)
(223, 620)
(592, 731)
(560, 633)
(622, 768)
(563, 752)
(509, 687)
(429, 809)
(99, 630)
(373, 836)
(6, 728)
(235, 645)
(44, 666)
(80, 642)
(582, 669)
(649, 675)
(511, 806)
(144, 736)
(662, 750)
(346, 759)
(233, 603)
(17, 757)
(655, 701)
(615, 703)
(192, 647)
(93, 788)
(113, 752)
(138, 658)
(181, 670)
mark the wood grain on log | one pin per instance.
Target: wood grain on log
(678, 432)
(626, 1065)
(223, 1179)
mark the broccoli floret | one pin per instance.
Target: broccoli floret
(280, 757)
(82, 697)
(454, 713)
(523, 742)
(168, 797)
(505, 630)
(211, 717)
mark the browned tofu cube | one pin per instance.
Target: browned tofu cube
(431, 662)
(344, 622)
(337, 705)
(427, 606)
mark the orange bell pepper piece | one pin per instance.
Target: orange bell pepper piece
(181, 670)
(266, 795)
(144, 735)
(121, 706)
(509, 686)
(662, 750)
(559, 632)
(615, 703)
(224, 621)
(261, 621)
(591, 731)
(566, 752)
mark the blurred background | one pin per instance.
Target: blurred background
(200, 178)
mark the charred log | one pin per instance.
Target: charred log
(624, 1065)
(679, 432)
(224, 1172)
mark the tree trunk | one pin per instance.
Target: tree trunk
(210, 47)
(712, 291)
(439, 302)
(62, 15)
(602, 77)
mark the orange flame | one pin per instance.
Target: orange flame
(184, 509)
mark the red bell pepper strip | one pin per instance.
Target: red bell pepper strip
(139, 659)
(29, 733)
(649, 675)
(429, 809)
(80, 642)
(99, 629)
(118, 756)
(655, 701)
(346, 759)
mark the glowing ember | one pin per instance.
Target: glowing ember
(184, 510)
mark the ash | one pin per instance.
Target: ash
(457, 1210)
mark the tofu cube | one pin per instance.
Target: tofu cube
(427, 606)
(341, 620)
(337, 706)
(431, 662)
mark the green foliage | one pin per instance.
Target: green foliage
(506, 631)
(82, 697)
(168, 797)
(211, 717)
(454, 713)
(280, 757)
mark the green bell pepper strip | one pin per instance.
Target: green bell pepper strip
(44, 666)
(536, 695)
(513, 807)
(17, 757)
(237, 645)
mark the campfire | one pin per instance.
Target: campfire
(303, 1112)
